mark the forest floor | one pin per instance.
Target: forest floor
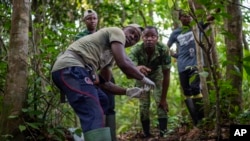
(179, 134)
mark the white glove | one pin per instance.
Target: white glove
(146, 88)
(148, 82)
(134, 92)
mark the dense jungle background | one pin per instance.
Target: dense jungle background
(34, 32)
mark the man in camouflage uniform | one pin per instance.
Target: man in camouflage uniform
(155, 56)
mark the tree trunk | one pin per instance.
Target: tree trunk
(234, 55)
(16, 81)
(207, 44)
(199, 54)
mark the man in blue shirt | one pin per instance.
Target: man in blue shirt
(187, 65)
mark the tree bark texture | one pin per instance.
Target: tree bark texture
(199, 55)
(16, 81)
(234, 54)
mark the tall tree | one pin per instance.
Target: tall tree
(234, 53)
(16, 81)
(194, 6)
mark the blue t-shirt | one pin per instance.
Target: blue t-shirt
(185, 42)
(186, 48)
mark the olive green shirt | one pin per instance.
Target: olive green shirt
(94, 49)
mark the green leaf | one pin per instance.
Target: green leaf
(22, 128)
(203, 74)
(247, 58)
(78, 132)
(33, 125)
(247, 68)
(12, 116)
(25, 110)
(170, 3)
(246, 65)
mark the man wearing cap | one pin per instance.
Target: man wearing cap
(90, 19)
(74, 72)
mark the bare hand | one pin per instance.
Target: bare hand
(164, 105)
(143, 69)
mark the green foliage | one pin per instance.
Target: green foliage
(45, 118)
(246, 65)
(7, 137)
(5, 23)
(22, 128)
(127, 110)
(170, 3)
(243, 118)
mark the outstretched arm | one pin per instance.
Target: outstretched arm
(111, 87)
(165, 85)
(127, 66)
(134, 92)
(124, 63)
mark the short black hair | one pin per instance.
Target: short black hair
(152, 27)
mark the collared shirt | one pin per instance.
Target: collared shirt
(82, 34)
(160, 59)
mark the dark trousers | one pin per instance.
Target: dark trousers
(89, 102)
(190, 82)
(111, 97)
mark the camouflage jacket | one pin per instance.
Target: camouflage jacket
(82, 34)
(160, 59)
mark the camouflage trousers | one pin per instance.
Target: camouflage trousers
(145, 101)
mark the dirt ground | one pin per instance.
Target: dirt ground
(179, 134)
(183, 133)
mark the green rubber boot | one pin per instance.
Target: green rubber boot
(100, 134)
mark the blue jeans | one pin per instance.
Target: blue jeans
(89, 102)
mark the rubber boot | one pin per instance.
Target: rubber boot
(199, 106)
(192, 110)
(110, 122)
(146, 128)
(163, 126)
(100, 134)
